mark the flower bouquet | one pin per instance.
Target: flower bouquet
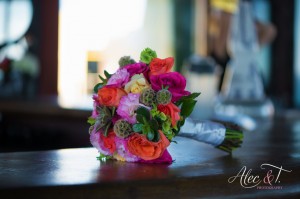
(140, 109)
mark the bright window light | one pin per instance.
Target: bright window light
(94, 34)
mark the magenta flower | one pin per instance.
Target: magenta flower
(175, 81)
(120, 78)
(137, 68)
(127, 106)
(165, 158)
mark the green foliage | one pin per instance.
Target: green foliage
(107, 75)
(150, 135)
(140, 119)
(147, 125)
(166, 126)
(103, 157)
(104, 81)
(144, 112)
(170, 135)
(164, 123)
(187, 107)
(187, 98)
(97, 87)
(104, 120)
(187, 104)
(91, 120)
(233, 140)
(137, 127)
(154, 124)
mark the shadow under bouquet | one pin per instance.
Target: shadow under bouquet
(140, 109)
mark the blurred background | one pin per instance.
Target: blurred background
(52, 51)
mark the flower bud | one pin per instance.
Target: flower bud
(163, 97)
(147, 55)
(122, 128)
(126, 60)
(148, 97)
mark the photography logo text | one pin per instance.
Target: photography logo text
(269, 180)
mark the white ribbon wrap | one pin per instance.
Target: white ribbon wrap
(204, 131)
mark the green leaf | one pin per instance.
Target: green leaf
(99, 125)
(179, 125)
(102, 78)
(187, 107)
(187, 98)
(106, 129)
(159, 120)
(150, 135)
(97, 87)
(156, 137)
(140, 119)
(154, 124)
(146, 129)
(166, 126)
(91, 120)
(144, 112)
(103, 157)
(137, 127)
(107, 75)
(113, 111)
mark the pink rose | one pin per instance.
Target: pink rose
(127, 107)
(174, 80)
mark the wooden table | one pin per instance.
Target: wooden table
(42, 124)
(199, 170)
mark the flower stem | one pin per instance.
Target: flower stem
(233, 138)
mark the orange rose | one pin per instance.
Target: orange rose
(110, 96)
(171, 110)
(139, 145)
(160, 66)
(109, 141)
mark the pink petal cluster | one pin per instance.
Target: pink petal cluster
(123, 151)
(120, 78)
(127, 106)
(96, 141)
(96, 103)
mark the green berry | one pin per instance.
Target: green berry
(122, 128)
(163, 97)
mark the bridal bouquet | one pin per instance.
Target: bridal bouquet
(140, 108)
